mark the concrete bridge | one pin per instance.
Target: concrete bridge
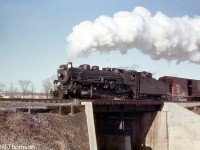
(142, 126)
(127, 125)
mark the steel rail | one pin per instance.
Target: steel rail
(95, 101)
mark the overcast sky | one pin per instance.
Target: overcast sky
(33, 37)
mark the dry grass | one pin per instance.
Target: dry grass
(44, 131)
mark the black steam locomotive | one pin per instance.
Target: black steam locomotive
(109, 83)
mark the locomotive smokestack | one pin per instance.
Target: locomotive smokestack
(156, 35)
(69, 65)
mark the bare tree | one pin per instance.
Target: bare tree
(32, 91)
(132, 67)
(12, 90)
(47, 86)
(24, 84)
(53, 77)
(2, 87)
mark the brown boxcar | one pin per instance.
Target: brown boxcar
(196, 88)
(183, 88)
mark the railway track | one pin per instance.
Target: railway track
(94, 101)
(35, 100)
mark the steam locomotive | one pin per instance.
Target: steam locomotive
(108, 83)
(113, 83)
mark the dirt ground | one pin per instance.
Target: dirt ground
(43, 131)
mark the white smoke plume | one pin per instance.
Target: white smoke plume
(157, 35)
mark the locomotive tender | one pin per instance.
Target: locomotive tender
(108, 83)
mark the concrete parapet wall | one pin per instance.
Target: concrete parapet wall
(174, 128)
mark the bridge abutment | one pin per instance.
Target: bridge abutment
(144, 127)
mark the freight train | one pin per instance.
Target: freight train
(114, 83)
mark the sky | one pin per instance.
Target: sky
(33, 38)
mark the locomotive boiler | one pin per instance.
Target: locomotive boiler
(107, 83)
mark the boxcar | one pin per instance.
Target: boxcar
(182, 88)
